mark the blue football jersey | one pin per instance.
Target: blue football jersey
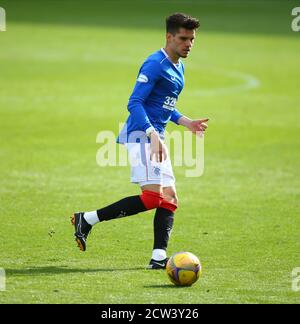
(153, 100)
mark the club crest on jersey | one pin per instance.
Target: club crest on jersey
(142, 78)
(156, 171)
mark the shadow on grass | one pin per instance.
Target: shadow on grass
(166, 286)
(54, 270)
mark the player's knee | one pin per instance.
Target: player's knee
(169, 205)
(151, 199)
(175, 200)
(170, 202)
(172, 198)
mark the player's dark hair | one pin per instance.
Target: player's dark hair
(181, 20)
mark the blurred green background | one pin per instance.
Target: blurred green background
(67, 69)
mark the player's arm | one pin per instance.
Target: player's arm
(195, 126)
(148, 76)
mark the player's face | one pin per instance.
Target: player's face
(182, 42)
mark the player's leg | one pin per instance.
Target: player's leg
(164, 217)
(163, 225)
(150, 198)
(128, 206)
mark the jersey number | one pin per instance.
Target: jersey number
(170, 101)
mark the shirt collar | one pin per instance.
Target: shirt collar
(167, 56)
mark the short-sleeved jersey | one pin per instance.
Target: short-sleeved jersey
(153, 101)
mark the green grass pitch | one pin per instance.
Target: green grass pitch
(67, 69)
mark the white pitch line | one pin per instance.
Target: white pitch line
(249, 82)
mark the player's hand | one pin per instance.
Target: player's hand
(158, 149)
(198, 126)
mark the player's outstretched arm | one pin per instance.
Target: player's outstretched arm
(196, 126)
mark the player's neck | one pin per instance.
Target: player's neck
(172, 56)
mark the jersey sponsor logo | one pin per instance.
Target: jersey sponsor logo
(142, 78)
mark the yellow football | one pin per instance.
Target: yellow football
(183, 269)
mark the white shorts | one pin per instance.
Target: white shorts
(144, 171)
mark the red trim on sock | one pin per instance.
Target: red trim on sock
(168, 205)
(151, 199)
